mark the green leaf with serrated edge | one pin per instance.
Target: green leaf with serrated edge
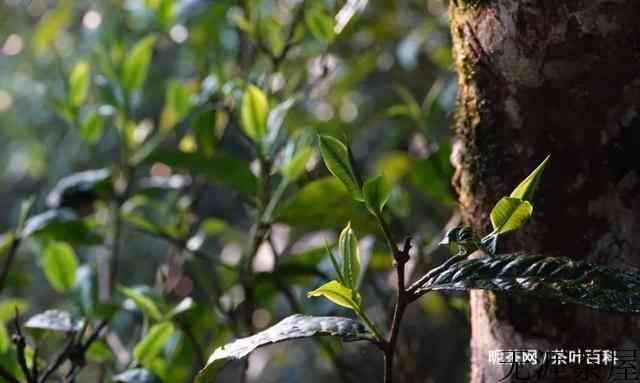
(296, 165)
(253, 113)
(79, 80)
(561, 279)
(136, 64)
(320, 25)
(143, 302)
(59, 264)
(376, 194)
(151, 345)
(338, 294)
(509, 214)
(55, 320)
(527, 187)
(336, 157)
(348, 245)
(293, 327)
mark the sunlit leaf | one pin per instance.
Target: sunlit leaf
(293, 327)
(8, 308)
(60, 264)
(509, 214)
(55, 320)
(143, 302)
(136, 64)
(176, 106)
(320, 24)
(184, 305)
(79, 81)
(99, 352)
(376, 194)
(60, 225)
(527, 187)
(5, 341)
(338, 294)
(336, 157)
(253, 112)
(295, 167)
(91, 128)
(51, 24)
(80, 188)
(151, 345)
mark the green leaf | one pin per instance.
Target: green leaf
(320, 24)
(91, 128)
(348, 245)
(144, 303)
(136, 64)
(336, 157)
(275, 121)
(253, 113)
(8, 308)
(176, 106)
(78, 189)
(5, 342)
(539, 277)
(184, 305)
(79, 80)
(376, 194)
(99, 352)
(338, 294)
(293, 327)
(509, 214)
(55, 320)
(527, 187)
(222, 167)
(51, 24)
(60, 264)
(136, 375)
(151, 345)
(294, 168)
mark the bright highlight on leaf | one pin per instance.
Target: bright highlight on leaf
(144, 303)
(338, 294)
(527, 187)
(60, 264)
(348, 245)
(509, 214)
(253, 113)
(376, 194)
(295, 167)
(336, 157)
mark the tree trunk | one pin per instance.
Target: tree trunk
(542, 77)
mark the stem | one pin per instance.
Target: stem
(15, 243)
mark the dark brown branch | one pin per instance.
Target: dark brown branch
(21, 343)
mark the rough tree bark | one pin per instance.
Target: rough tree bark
(542, 77)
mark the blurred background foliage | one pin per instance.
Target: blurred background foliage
(150, 91)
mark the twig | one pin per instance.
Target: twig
(15, 243)
(20, 341)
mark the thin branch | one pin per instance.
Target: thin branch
(15, 243)
(21, 343)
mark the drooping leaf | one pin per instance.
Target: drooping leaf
(143, 302)
(561, 279)
(338, 294)
(136, 375)
(348, 245)
(55, 320)
(320, 24)
(91, 128)
(376, 194)
(253, 113)
(60, 225)
(151, 345)
(336, 157)
(293, 327)
(136, 64)
(509, 214)
(527, 187)
(79, 80)
(79, 188)
(60, 264)
(296, 165)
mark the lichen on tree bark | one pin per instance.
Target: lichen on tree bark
(560, 78)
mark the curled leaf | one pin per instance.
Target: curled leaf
(338, 294)
(348, 245)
